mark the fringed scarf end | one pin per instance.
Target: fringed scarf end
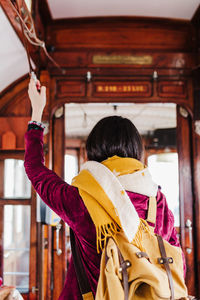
(105, 231)
(138, 239)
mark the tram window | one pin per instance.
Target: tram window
(16, 246)
(71, 167)
(16, 183)
(164, 170)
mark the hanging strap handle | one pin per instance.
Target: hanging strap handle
(24, 39)
(80, 270)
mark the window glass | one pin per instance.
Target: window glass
(17, 246)
(16, 182)
(71, 167)
(164, 170)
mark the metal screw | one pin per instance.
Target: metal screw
(34, 289)
(59, 252)
(189, 250)
(183, 112)
(89, 76)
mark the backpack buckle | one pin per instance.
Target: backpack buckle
(124, 265)
(165, 260)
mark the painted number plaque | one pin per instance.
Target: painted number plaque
(122, 89)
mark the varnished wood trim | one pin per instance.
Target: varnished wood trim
(58, 167)
(16, 201)
(33, 278)
(186, 193)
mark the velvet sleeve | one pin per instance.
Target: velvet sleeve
(165, 224)
(61, 197)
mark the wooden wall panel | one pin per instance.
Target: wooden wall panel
(70, 88)
(14, 99)
(134, 33)
(18, 125)
(141, 89)
(85, 58)
(170, 89)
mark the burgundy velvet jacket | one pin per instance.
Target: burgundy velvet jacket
(65, 200)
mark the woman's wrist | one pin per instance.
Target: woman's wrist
(36, 116)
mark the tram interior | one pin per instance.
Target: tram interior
(137, 59)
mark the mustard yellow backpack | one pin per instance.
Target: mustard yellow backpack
(151, 269)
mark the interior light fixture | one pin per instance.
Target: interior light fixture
(85, 123)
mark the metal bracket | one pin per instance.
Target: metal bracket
(34, 289)
(183, 112)
(155, 75)
(58, 250)
(188, 225)
(89, 76)
(59, 112)
(197, 127)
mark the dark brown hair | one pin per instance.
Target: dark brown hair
(111, 136)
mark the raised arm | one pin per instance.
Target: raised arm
(55, 192)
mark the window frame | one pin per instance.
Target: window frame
(33, 258)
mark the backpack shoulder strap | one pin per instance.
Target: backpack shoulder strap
(152, 210)
(80, 270)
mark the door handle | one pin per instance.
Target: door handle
(58, 250)
(188, 225)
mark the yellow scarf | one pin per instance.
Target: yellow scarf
(100, 207)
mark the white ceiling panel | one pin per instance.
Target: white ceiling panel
(178, 9)
(13, 59)
(81, 118)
